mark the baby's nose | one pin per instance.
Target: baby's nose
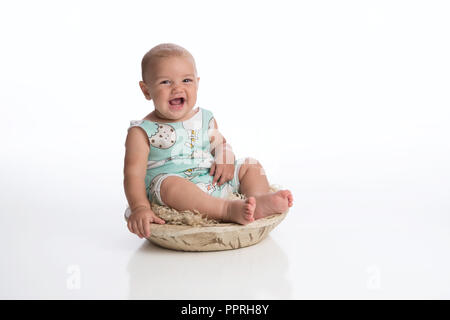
(176, 89)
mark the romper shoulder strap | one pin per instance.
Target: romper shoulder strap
(149, 127)
(207, 117)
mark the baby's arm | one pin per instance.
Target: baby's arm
(135, 166)
(223, 166)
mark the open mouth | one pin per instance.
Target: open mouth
(176, 102)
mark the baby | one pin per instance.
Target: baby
(176, 156)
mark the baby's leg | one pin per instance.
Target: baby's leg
(182, 194)
(254, 183)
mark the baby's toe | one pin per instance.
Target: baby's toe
(290, 196)
(251, 201)
(250, 206)
(284, 193)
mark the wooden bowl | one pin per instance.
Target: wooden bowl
(223, 236)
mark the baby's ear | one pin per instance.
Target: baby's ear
(144, 89)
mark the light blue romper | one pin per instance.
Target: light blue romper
(183, 149)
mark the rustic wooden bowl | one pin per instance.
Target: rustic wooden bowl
(223, 236)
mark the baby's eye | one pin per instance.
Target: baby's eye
(189, 80)
(163, 82)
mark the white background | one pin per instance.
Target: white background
(346, 103)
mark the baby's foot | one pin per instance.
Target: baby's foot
(271, 203)
(240, 211)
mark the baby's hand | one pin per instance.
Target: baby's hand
(140, 219)
(223, 171)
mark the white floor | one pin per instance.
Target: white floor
(374, 241)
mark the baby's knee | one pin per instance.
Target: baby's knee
(247, 164)
(170, 183)
(163, 186)
(252, 162)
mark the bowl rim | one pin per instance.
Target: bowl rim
(157, 230)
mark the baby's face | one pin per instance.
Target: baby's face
(173, 87)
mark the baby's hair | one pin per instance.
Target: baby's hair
(163, 50)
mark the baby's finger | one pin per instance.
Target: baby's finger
(158, 220)
(132, 226)
(223, 178)
(218, 174)
(129, 226)
(136, 229)
(141, 227)
(229, 174)
(212, 169)
(146, 228)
